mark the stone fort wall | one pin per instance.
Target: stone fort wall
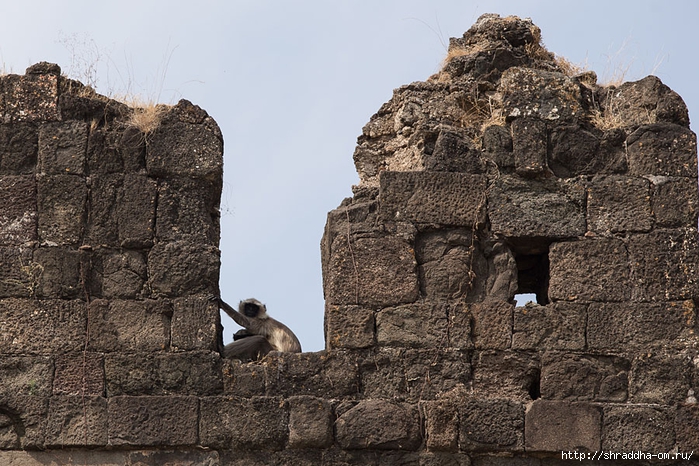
(507, 172)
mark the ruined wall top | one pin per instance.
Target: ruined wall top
(499, 73)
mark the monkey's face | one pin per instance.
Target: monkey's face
(252, 308)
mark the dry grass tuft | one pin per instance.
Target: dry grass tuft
(481, 114)
(609, 117)
(567, 67)
(146, 115)
(618, 76)
(537, 51)
(614, 114)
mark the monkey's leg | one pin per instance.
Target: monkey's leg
(249, 348)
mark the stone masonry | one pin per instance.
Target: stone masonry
(507, 172)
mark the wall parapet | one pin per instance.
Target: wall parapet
(505, 173)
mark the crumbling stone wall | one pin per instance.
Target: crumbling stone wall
(507, 172)
(109, 249)
(510, 172)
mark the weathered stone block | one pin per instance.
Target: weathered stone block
(530, 144)
(259, 423)
(548, 208)
(19, 276)
(371, 272)
(356, 215)
(116, 148)
(492, 324)
(61, 203)
(188, 208)
(243, 379)
(662, 149)
(18, 148)
(119, 274)
(152, 420)
(103, 154)
(283, 457)
(617, 204)
(575, 151)
(620, 326)
(380, 425)
(589, 270)
(173, 458)
(665, 265)
(510, 461)
(136, 211)
(506, 374)
(56, 273)
(56, 457)
(339, 457)
(322, 374)
(451, 266)
(31, 98)
(102, 225)
(129, 325)
(76, 421)
(460, 326)
(584, 377)
(23, 421)
(554, 326)
(634, 428)
(443, 459)
(79, 374)
(62, 148)
(25, 375)
(77, 101)
(659, 378)
(132, 147)
(192, 373)
(674, 201)
(195, 322)
(541, 94)
(349, 327)
(122, 210)
(18, 210)
(491, 425)
(181, 147)
(29, 326)
(559, 425)
(433, 197)
(183, 268)
(497, 146)
(310, 422)
(412, 325)
(441, 425)
(413, 375)
(454, 153)
(687, 428)
(647, 100)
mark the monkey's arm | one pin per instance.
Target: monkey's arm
(239, 318)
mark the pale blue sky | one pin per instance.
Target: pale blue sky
(292, 83)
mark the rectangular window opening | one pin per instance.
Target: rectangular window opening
(523, 298)
(532, 277)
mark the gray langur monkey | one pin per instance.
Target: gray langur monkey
(261, 333)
